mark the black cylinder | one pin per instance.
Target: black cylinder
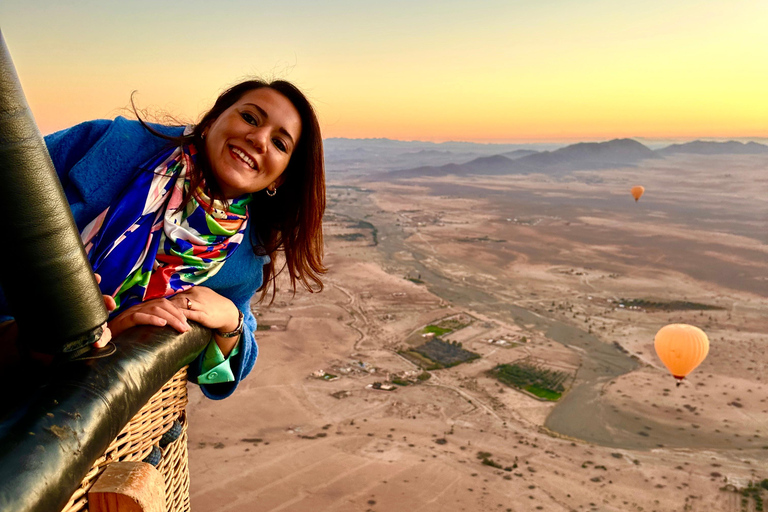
(44, 271)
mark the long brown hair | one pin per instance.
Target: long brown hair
(290, 222)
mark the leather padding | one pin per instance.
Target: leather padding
(49, 444)
(44, 270)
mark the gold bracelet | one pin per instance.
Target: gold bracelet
(238, 330)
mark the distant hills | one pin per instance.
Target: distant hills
(700, 147)
(617, 152)
(392, 159)
(584, 155)
(364, 156)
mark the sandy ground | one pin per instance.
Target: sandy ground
(523, 256)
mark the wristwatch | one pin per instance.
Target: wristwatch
(238, 330)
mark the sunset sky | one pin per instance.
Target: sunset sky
(489, 71)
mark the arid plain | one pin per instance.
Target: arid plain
(574, 276)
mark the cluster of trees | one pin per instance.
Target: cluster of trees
(536, 379)
(672, 305)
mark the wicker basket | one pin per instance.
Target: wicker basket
(138, 437)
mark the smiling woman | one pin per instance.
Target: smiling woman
(250, 144)
(164, 210)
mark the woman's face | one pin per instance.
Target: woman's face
(249, 144)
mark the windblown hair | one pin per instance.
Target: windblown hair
(291, 222)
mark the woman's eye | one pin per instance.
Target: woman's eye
(280, 145)
(248, 118)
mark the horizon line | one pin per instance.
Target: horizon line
(566, 140)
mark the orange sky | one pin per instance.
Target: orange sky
(497, 71)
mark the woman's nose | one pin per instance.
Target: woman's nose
(258, 139)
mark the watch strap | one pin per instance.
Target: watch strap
(238, 330)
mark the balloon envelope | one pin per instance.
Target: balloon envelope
(637, 191)
(681, 347)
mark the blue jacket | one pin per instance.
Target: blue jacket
(96, 159)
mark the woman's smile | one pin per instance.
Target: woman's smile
(242, 155)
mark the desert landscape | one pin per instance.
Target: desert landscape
(485, 342)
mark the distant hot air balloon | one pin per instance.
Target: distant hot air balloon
(681, 347)
(637, 191)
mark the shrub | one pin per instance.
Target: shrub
(490, 462)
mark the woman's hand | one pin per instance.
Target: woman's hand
(199, 304)
(212, 310)
(109, 301)
(208, 308)
(158, 312)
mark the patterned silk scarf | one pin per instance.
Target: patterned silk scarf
(146, 246)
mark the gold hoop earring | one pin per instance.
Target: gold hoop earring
(271, 192)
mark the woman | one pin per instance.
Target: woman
(163, 212)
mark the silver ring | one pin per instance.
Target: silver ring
(189, 303)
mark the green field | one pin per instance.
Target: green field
(437, 331)
(546, 394)
(535, 379)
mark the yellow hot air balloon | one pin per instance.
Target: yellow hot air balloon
(637, 191)
(681, 347)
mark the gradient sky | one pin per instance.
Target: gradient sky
(493, 71)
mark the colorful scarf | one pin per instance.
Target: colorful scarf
(146, 245)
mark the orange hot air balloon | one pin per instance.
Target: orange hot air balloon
(681, 347)
(637, 191)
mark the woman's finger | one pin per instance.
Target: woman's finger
(173, 316)
(169, 310)
(143, 318)
(198, 316)
(188, 300)
(160, 316)
(183, 302)
(106, 335)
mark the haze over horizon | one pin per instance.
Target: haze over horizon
(654, 143)
(500, 72)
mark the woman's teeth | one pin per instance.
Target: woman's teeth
(245, 158)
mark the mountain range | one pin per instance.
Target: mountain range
(395, 158)
(701, 147)
(580, 156)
